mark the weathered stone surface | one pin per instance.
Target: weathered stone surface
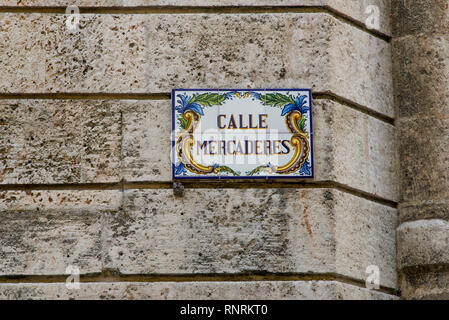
(354, 149)
(251, 230)
(362, 10)
(424, 158)
(250, 290)
(146, 148)
(355, 9)
(43, 232)
(59, 141)
(40, 54)
(364, 236)
(421, 68)
(150, 53)
(350, 147)
(423, 242)
(426, 286)
(424, 16)
(424, 210)
(422, 97)
(279, 50)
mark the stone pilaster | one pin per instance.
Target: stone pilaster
(421, 68)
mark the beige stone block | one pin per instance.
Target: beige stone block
(423, 243)
(354, 149)
(357, 10)
(251, 231)
(424, 16)
(350, 147)
(421, 68)
(424, 159)
(433, 285)
(158, 52)
(279, 50)
(40, 54)
(364, 236)
(44, 232)
(430, 209)
(59, 141)
(248, 290)
(146, 144)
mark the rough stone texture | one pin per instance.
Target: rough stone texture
(364, 235)
(424, 158)
(207, 231)
(423, 242)
(354, 149)
(426, 286)
(421, 56)
(280, 50)
(350, 147)
(423, 210)
(251, 230)
(251, 290)
(59, 141)
(355, 9)
(157, 52)
(40, 54)
(43, 232)
(423, 16)
(422, 96)
(146, 149)
(421, 75)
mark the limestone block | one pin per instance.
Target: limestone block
(357, 10)
(248, 290)
(423, 243)
(278, 50)
(354, 149)
(424, 158)
(43, 232)
(59, 141)
(153, 53)
(421, 68)
(426, 286)
(251, 230)
(39, 53)
(146, 144)
(424, 16)
(423, 210)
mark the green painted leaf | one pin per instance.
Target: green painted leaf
(208, 99)
(257, 170)
(301, 124)
(227, 169)
(183, 122)
(276, 99)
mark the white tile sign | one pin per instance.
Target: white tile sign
(242, 134)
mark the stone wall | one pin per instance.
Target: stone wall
(85, 174)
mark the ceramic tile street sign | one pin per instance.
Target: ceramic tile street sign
(242, 134)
